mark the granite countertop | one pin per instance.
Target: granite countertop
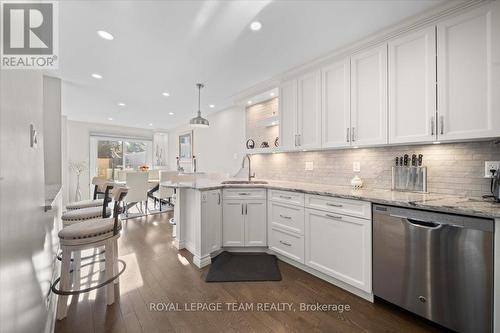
(51, 192)
(429, 201)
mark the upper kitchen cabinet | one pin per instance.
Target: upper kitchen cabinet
(412, 87)
(369, 97)
(468, 75)
(336, 104)
(288, 114)
(308, 111)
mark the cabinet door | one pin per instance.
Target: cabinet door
(255, 223)
(309, 111)
(412, 87)
(339, 246)
(288, 114)
(212, 220)
(369, 97)
(233, 223)
(468, 68)
(336, 104)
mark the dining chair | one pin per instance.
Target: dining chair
(166, 193)
(137, 183)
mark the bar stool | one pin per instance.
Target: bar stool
(99, 184)
(85, 235)
(75, 215)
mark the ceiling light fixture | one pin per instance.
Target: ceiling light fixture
(121, 104)
(105, 35)
(272, 94)
(97, 76)
(199, 121)
(255, 26)
(211, 106)
(166, 94)
(170, 113)
(109, 118)
(150, 124)
(249, 102)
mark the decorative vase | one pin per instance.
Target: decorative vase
(78, 192)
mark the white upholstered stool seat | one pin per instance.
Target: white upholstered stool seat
(97, 228)
(84, 214)
(85, 204)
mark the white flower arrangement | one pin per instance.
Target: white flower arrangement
(78, 167)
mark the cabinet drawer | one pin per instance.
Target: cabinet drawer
(287, 244)
(244, 193)
(350, 207)
(289, 197)
(286, 217)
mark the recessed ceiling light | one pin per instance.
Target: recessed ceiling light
(166, 94)
(436, 142)
(211, 106)
(249, 102)
(121, 104)
(170, 113)
(109, 118)
(272, 94)
(255, 25)
(150, 124)
(105, 35)
(97, 76)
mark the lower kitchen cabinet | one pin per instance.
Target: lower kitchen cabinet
(211, 212)
(244, 222)
(255, 223)
(286, 243)
(339, 246)
(233, 223)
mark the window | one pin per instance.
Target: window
(109, 155)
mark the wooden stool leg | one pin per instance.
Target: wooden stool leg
(115, 259)
(62, 305)
(110, 292)
(77, 260)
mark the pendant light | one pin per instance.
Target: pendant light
(199, 121)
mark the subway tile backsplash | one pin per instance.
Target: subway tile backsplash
(456, 168)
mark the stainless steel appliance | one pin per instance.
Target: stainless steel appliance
(439, 266)
(495, 186)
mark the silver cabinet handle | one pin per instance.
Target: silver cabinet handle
(246, 209)
(242, 209)
(441, 120)
(218, 200)
(333, 205)
(353, 135)
(432, 125)
(243, 193)
(299, 137)
(285, 243)
(285, 197)
(334, 216)
(347, 135)
(285, 217)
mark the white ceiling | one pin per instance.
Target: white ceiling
(170, 45)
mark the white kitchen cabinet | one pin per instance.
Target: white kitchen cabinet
(369, 97)
(336, 104)
(309, 111)
(412, 87)
(339, 246)
(288, 244)
(288, 114)
(211, 208)
(286, 217)
(233, 223)
(244, 221)
(468, 74)
(255, 223)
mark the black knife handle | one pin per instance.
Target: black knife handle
(420, 159)
(405, 161)
(397, 161)
(413, 160)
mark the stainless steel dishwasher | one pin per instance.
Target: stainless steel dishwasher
(439, 266)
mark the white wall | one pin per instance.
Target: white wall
(25, 261)
(52, 138)
(78, 144)
(219, 148)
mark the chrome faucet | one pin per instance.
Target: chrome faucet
(250, 176)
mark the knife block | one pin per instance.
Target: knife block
(409, 179)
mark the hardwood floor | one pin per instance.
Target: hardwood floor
(157, 272)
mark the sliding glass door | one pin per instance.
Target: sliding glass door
(111, 155)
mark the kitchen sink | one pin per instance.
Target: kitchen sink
(243, 182)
